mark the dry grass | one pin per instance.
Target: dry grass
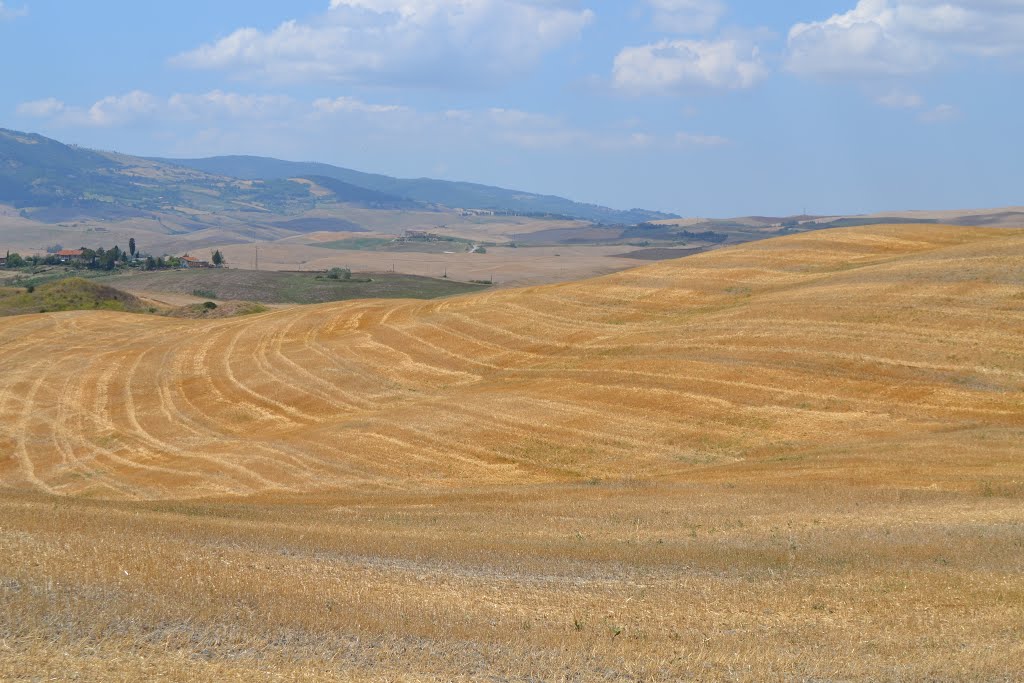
(794, 460)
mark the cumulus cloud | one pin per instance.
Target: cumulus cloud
(41, 109)
(400, 42)
(7, 13)
(687, 16)
(880, 38)
(673, 65)
(117, 110)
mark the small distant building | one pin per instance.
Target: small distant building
(193, 262)
(69, 255)
(3, 261)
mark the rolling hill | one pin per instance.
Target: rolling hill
(795, 459)
(815, 347)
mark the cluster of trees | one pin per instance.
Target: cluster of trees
(93, 259)
(104, 259)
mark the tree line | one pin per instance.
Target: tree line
(105, 259)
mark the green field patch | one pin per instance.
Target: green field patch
(356, 243)
(273, 287)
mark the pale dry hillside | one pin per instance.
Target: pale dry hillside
(870, 344)
(798, 459)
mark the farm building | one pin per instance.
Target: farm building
(69, 255)
(193, 262)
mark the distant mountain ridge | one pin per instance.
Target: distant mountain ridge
(48, 178)
(454, 194)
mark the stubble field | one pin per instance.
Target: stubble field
(798, 459)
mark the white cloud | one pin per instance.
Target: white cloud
(940, 114)
(880, 38)
(687, 16)
(672, 65)
(693, 140)
(140, 106)
(351, 104)
(117, 110)
(899, 99)
(218, 103)
(225, 118)
(400, 42)
(10, 12)
(41, 109)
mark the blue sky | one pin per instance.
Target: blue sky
(700, 107)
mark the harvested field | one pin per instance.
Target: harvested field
(798, 459)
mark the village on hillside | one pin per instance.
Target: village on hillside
(109, 259)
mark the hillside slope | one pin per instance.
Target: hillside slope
(815, 354)
(70, 294)
(449, 193)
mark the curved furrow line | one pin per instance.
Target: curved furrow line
(599, 409)
(22, 429)
(345, 362)
(334, 454)
(433, 335)
(69, 431)
(534, 346)
(67, 455)
(827, 358)
(492, 350)
(458, 447)
(73, 467)
(622, 441)
(171, 450)
(418, 344)
(438, 459)
(344, 403)
(221, 390)
(558, 380)
(658, 379)
(300, 397)
(403, 368)
(576, 324)
(188, 415)
(282, 410)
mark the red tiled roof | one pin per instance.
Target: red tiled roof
(70, 252)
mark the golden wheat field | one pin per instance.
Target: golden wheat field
(800, 459)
